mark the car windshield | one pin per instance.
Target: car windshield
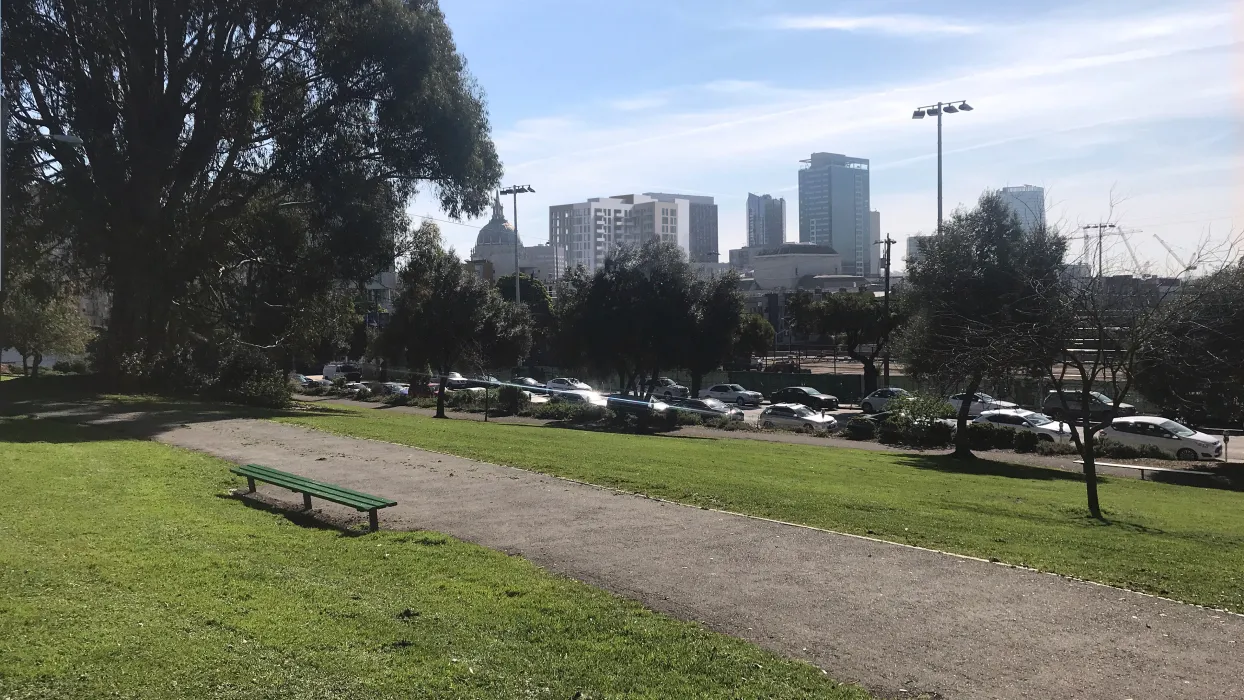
(1038, 419)
(735, 387)
(803, 411)
(715, 404)
(1180, 430)
(1100, 397)
(809, 390)
(983, 398)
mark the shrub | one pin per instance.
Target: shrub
(861, 429)
(722, 423)
(1026, 441)
(890, 433)
(70, 366)
(570, 412)
(362, 395)
(513, 398)
(987, 436)
(689, 418)
(1052, 449)
(1115, 450)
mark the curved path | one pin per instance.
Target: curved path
(901, 621)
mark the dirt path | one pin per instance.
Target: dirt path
(898, 620)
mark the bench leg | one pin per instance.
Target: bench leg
(373, 520)
(250, 481)
(306, 501)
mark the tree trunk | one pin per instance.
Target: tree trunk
(696, 379)
(25, 366)
(963, 441)
(440, 397)
(1090, 470)
(870, 375)
(35, 362)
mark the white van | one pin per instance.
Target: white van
(351, 372)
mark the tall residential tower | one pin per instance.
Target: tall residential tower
(834, 208)
(766, 221)
(1028, 203)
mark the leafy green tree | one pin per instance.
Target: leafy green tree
(632, 317)
(755, 336)
(716, 316)
(976, 298)
(36, 326)
(540, 305)
(205, 121)
(447, 318)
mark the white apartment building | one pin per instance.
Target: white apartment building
(589, 231)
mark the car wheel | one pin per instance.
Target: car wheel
(866, 407)
(1187, 454)
(809, 427)
(668, 396)
(768, 424)
(1046, 438)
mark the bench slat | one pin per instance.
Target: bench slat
(329, 492)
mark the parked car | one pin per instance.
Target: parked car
(1100, 406)
(732, 393)
(530, 385)
(1020, 419)
(322, 383)
(1168, 436)
(484, 381)
(355, 387)
(878, 400)
(979, 403)
(794, 415)
(300, 379)
(623, 404)
(807, 396)
(351, 372)
(709, 408)
(395, 389)
(580, 396)
(567, 384)
(669, 389)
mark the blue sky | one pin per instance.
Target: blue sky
(1137, 102)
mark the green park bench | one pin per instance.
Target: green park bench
(310, 487)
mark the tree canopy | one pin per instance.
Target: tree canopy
(859, 320)
(240, 158)
(975, 297)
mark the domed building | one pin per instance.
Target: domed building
(493, 254)
(497, 232)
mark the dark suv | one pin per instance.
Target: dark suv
(1100, 406)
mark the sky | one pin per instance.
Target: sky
(1128, 111)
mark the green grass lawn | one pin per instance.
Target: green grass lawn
(126, 571)
(1178, 541)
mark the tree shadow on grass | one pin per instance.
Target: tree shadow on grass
(301, 518)
(95, 416)
(986, 467)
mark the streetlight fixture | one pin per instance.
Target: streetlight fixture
(936, 110)
(516, 190)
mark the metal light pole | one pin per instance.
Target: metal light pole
(885, 362)
(516, 190)
(936, 111)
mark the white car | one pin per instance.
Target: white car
(793, 415)
(979, 403)
(877, 401)
(1168, 436)
(580, 396)
(1045, 427)
(567, 384)
(732, 393)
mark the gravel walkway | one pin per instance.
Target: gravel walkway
(899, 620)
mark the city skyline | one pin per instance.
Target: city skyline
(1064, 97)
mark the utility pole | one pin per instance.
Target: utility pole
(885, 360)
(1101, 232)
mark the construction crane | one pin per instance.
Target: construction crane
(1103, 230)
(1186, 267)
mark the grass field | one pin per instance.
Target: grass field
(1177, 541)
(127, 571)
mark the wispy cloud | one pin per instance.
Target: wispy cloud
(636, 104)
(896, 25)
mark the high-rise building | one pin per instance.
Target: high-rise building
(701, 225)
(834, 208)
(1028, 203)
(766, 221)
(591, 230)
